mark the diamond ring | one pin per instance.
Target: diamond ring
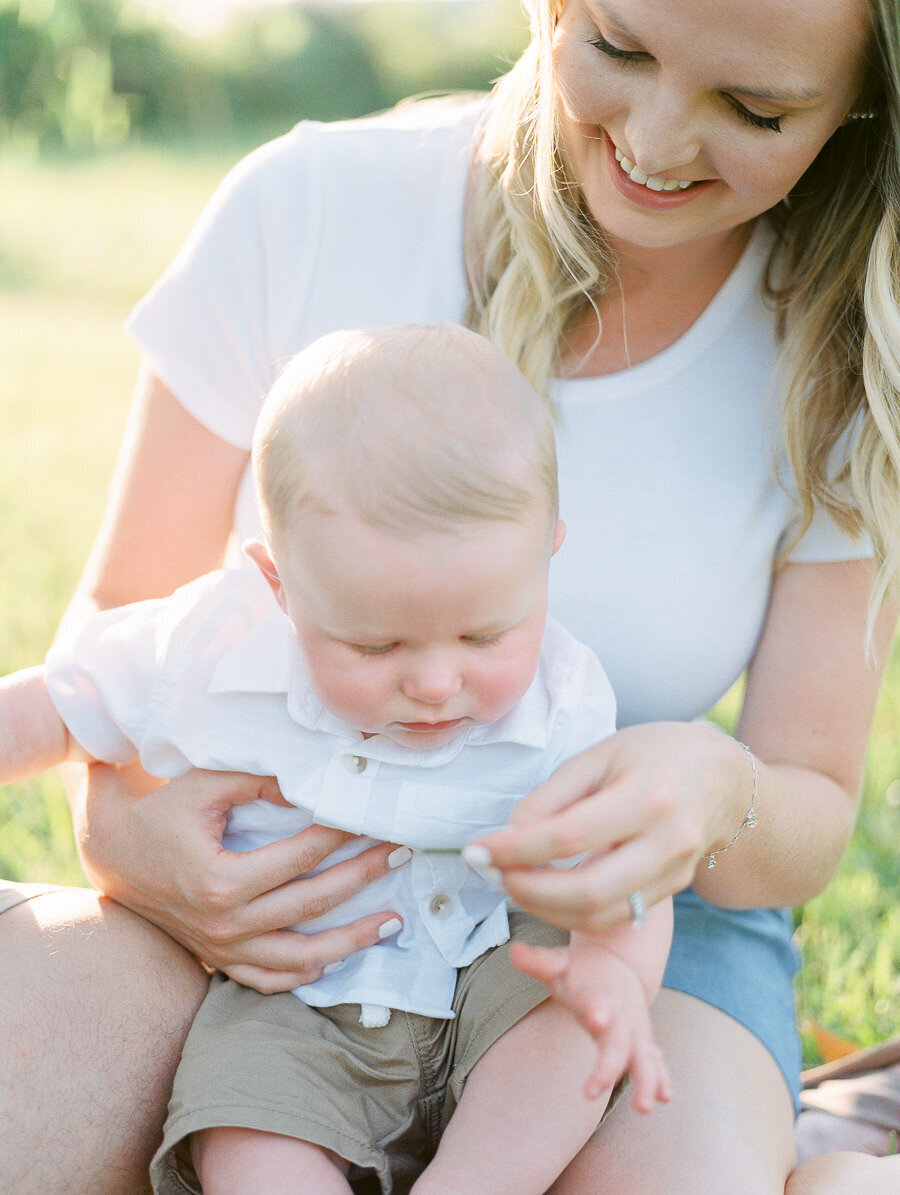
(638, 908)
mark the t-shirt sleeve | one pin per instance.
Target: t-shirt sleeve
(824, 541)
(212, 326)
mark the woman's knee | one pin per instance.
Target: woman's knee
(95, 1004)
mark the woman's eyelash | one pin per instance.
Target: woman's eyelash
(772, 123)
(611, 51)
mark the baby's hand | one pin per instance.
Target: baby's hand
(607, 998)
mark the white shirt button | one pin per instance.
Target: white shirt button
(441, 905)
(355, 763)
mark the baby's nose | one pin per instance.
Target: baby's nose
(433, 682)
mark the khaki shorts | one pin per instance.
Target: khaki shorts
(380, 1098)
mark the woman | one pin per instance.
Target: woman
(611, 199)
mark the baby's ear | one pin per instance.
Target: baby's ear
(558, 536)
(257, 550)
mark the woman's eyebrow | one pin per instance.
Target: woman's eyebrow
(800, 95)
(614, 19)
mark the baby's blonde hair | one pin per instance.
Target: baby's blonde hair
(409, 427)
(537, 260)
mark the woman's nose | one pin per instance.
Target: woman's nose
(433, 681)
(662, 133)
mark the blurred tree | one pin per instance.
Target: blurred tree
(299, 62)
(56, 85)
(84, 75)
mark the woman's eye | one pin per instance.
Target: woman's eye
(772, 123)
(616, 52)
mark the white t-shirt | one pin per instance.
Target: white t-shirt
(668, 471)
(212, 678)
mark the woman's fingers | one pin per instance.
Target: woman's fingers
(251, 873)
(305, 898)
(575, 779)
(285, 959)
(596, 823)
(594, 896)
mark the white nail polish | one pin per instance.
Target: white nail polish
(330, 968)
(479, 859)
(477, 855)
(390, 927)
(399, 856)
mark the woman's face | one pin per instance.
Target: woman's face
(733, 97)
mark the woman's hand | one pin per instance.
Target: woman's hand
(643, 807)
(160, 853)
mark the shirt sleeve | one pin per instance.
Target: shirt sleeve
(101, 676)
(213, 326)
(114, 678)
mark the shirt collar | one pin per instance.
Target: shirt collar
(266, 659)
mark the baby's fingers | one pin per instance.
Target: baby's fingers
(546, 964)
(609, 1067)
(649, 1077)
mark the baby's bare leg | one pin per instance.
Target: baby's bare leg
(523, 1115)
(236, 1161)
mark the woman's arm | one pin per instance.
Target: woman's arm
(811, 693)
(651, 801)
(157, 848)
(171, 503)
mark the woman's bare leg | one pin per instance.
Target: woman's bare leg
(846, 1174)
(729, 1126)
(95, 1004)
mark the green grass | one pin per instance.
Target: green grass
(79, 243)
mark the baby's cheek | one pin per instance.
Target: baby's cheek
(345, 692)
(501, 686)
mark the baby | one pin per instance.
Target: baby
(390, 662)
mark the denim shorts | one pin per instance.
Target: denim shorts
(742, 961)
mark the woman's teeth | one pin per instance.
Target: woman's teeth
(653, 182)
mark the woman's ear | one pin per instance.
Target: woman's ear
(257, 550)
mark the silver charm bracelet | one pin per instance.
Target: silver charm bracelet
(750, 819)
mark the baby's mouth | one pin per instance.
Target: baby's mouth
(653, 182)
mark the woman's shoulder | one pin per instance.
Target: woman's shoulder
(383, 143)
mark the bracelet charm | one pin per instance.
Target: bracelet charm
(750, 818)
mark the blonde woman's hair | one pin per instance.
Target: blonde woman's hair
(536, 261)
(410, 428)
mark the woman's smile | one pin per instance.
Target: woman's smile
(654, 190)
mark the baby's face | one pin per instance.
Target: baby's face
(417, 638)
